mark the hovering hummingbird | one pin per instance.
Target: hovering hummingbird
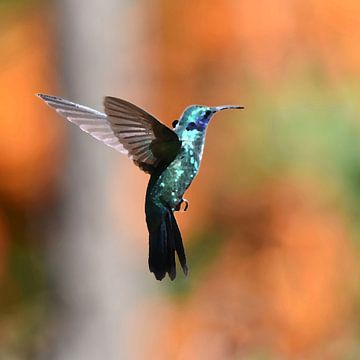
(171, 157)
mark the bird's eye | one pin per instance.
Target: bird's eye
(207, 113)
(174, 123)
(191, 126)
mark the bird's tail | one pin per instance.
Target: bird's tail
(164, 240)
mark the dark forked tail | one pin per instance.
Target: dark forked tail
(164, 240)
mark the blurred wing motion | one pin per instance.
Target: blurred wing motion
(125, 127)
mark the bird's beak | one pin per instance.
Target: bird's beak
(224, 107)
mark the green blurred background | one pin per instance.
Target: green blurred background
(272, 232)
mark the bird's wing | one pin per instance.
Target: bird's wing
(148, 140)
(125, 127)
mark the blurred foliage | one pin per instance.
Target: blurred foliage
(305, 130)
(24, 288)
(202, 250)
(25, 179)
(16, 5)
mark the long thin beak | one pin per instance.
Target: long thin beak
(225, 107)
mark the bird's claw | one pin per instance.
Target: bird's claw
(178, 206)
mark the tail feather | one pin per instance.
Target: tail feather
(179, 247)
(171, 265)
(158, 251)
(164, 240)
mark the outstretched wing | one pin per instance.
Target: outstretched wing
(147, 139)
(125, 127)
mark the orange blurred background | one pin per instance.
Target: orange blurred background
(272, 232)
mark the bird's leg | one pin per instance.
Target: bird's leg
(178, 206)
(186, 204)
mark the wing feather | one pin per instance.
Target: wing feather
(124, 127)
(89, 120)
(138, 131)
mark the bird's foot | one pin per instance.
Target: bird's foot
(178, 206)
(186, 204)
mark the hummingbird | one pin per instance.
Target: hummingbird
(171, 156)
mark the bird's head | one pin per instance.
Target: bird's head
(195, 119)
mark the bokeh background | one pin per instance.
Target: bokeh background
(272, 232)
